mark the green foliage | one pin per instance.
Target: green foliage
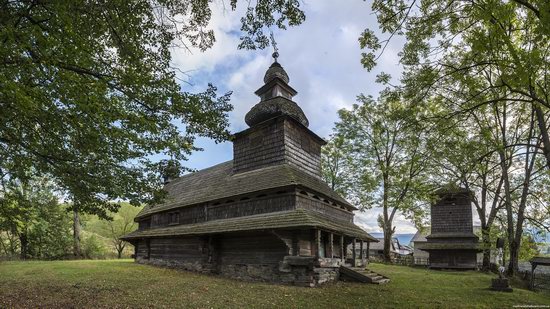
(469, 54)
(480, 67)
(32, 222)
(335, 164)
(528, 248)
(266, 14)
(88, 95)
(386, 154)
(93, 248)
(119, 224)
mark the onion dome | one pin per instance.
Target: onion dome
(275, 98)
(276, 70)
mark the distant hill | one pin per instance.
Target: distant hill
(404, 239)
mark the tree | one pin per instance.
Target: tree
(461, 145)
(30, 213)
(88, 94)
(387, 156)
(507, 44)
(335, 164)
(120, 224)
(510, 38)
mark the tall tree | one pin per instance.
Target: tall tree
(506, 42)
(88, 95)
(335, 164)
(512, 38)
(387, 156)
(31, 213)
(465, 156)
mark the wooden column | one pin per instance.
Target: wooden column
(532, 283)
(342, 250)
(368, 249)
(317, 242)
(210, 248)
(331, 245)
(361, 255)
(295, 244)
(353, 252)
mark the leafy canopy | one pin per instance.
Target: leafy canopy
(88, 95)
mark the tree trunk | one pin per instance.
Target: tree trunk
(76, 234)
(513, 265)
(387, 243)
(24, 245)
(528, 170)
(120, 248)
(544, 133)
(486, 240)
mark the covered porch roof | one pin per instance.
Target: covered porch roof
(299, 218)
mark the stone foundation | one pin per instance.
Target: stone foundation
(293, 270)
(195, 266)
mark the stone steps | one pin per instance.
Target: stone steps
(362, 275)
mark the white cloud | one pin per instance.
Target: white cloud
(322, 58)
(368, 220)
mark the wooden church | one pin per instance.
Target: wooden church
(265, 215)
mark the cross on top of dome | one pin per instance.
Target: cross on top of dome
(275, 97)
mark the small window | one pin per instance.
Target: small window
(174, 218)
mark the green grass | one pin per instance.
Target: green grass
(122, 283)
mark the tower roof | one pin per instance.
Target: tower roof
(275, 98)
(276, 70)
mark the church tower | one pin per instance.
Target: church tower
(278, 132)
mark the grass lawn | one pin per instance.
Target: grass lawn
(122, 283)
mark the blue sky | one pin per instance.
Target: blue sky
(322, 58)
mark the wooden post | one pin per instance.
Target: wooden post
(295, 244)
(368, 249)
(317, 243)
(532, 283)
(342, 250)
(210, 249)
(331, 245)
(361, 255)
(353, 252)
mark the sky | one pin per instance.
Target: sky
(322, 58)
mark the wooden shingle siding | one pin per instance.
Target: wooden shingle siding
(277, 142)
(257, 248)
(301, 149)
(142, 249)
(249, 207)
(310, 203)
(190, 249)
(144, 224)
(452, 214)
(187, 215)
(263, 146)
(261, 203)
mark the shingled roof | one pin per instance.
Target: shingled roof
(274, 220)
(218, 182)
